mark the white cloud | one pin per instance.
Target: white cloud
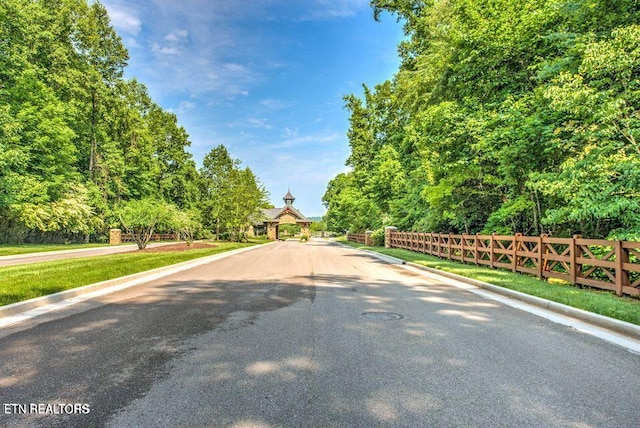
(333, 9)
(290, 133)
(161, 51)
(276, 104)
(177, 36)
(175, 41)
(184, 107)
(124, 18)
(292, 139)
(259, 123)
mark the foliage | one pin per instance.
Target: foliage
(142, 217)
(187, 225)
(503, 117)
(77, 139)
(318, 227)
(231, 196)
(378, 237)
(289, 229)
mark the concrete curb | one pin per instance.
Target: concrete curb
(117, 283)
(611, 324)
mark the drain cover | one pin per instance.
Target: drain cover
(382, 316)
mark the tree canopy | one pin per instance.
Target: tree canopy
(77, 139)
(502, 117)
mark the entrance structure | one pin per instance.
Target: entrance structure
(274, 217)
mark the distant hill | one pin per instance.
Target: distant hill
(315, 218)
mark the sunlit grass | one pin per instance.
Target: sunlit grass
(23, 282)
(598, 301)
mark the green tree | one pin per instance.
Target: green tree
(231, 197)
(143, 217)
(503, 116)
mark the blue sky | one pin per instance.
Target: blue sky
(263, 77)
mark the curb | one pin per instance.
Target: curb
(608, 323)
(117, 283)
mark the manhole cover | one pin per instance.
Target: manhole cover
(382, 316)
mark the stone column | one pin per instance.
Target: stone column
(387, 235)
(271, 231)
(115, 237)
(368, 239)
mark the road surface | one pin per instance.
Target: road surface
(276, 337)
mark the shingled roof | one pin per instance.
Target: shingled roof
(274, 213)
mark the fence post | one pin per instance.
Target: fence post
(622, 276)
(462, 242)
(475, 250)
(573, 254)
(491, 245)
(387, 235)
(368, 240)
(514, 262)
(540, 256)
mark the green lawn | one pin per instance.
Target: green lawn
(601, 302)
(23, 282)
(10, 250)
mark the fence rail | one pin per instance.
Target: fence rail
(360, 238)
(598, 263)
(128, 237)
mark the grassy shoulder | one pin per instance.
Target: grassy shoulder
(12, 250)
(596, 301)
(23, 282)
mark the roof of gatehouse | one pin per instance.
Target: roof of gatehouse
(275, 213)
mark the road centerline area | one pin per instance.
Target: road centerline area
(276, 337)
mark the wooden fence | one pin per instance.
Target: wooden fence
(128, 237)
(360, 238)
(598, 263)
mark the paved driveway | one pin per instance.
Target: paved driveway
(276, 337)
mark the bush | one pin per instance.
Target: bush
(378, 237)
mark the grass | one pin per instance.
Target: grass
(597, 301)
(23, 282)
(11, 250)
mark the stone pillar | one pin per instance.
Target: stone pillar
(271, 231)
(368, 239)
(115, 237)
(387, 235)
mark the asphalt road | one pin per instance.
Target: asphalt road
(276, 337)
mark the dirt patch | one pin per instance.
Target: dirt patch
(179, 247)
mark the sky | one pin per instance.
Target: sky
(263, 77)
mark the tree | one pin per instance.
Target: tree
(503, 116)
(231, 197)
(143, 216)
(70, 124)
